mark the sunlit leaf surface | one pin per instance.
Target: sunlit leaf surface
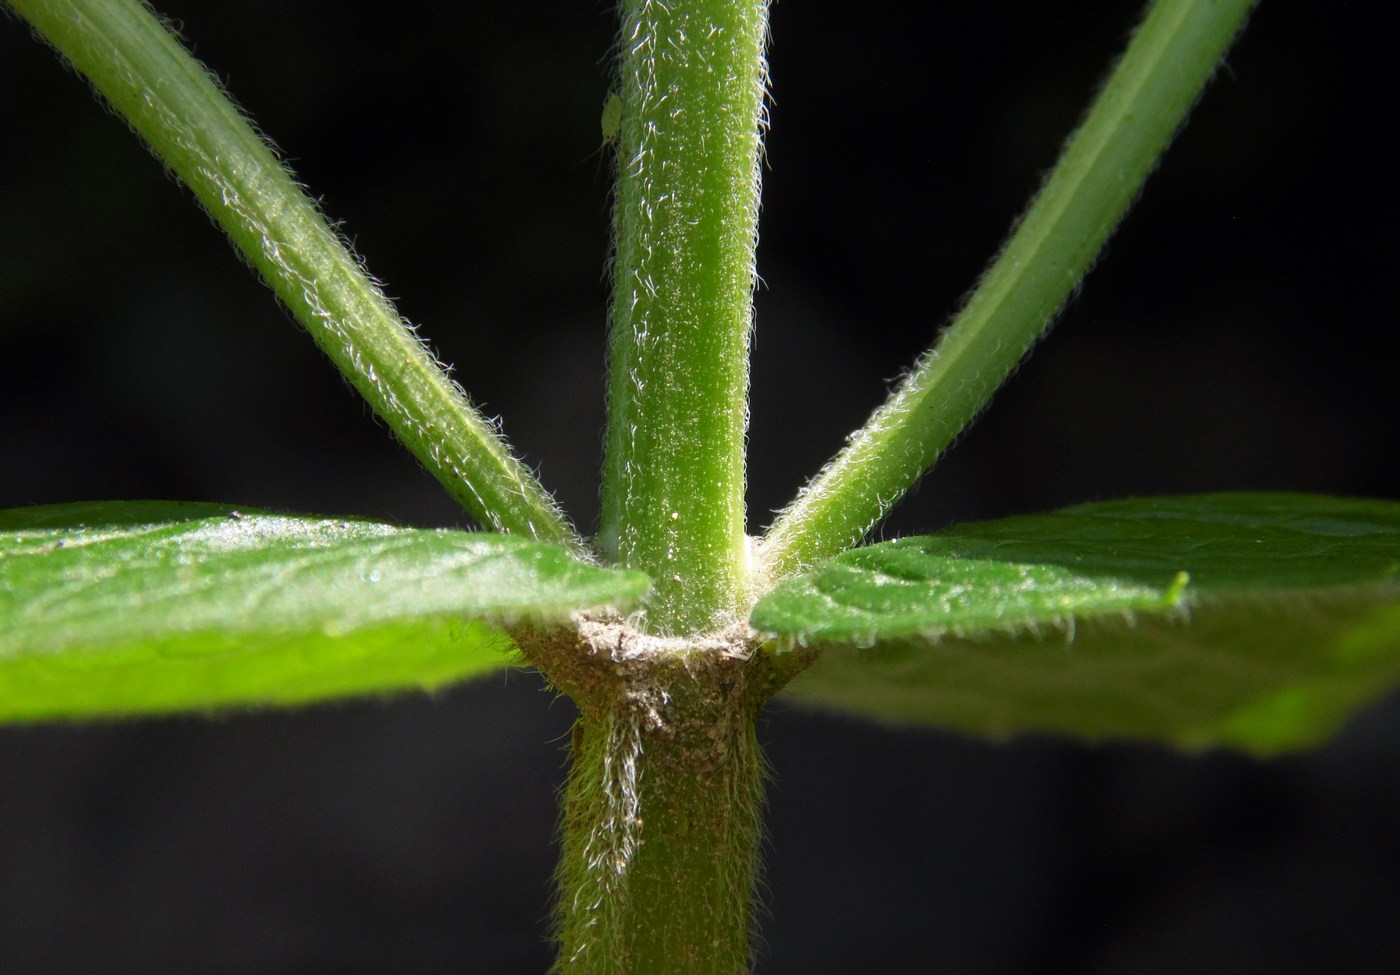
(142, 607)
(1258, 621)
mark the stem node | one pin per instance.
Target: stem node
(662, 808)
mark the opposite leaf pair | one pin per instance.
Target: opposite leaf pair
(1248, 620)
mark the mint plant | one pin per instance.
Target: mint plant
(1257, 622)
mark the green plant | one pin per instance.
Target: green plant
(1166, 587)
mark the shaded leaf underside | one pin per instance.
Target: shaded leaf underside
(112, 608)
(1258, 621)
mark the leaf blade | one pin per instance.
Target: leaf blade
(139, 607)
(1255, 621)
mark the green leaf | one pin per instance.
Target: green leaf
(1256, 621)
(142, 607)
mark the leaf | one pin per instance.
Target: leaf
(138, 607)
(1256, 621)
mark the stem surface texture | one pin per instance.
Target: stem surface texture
(691, 85)
(1104, 165)
(662, 807)
(142, 70)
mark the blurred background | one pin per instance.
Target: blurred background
(1237, 335)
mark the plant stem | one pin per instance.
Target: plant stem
(661, 811)
(136, 64)
(691, 85)
(1146, 98)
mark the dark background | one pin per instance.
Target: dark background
(1239, 334)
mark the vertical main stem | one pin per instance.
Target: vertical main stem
(661, 824)
(692, 86)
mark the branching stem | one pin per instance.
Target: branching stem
(142, 70)
(1104, 165)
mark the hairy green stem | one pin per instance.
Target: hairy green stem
(142, 70)
(691, 86)
(1146, 98)
(662, 807)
